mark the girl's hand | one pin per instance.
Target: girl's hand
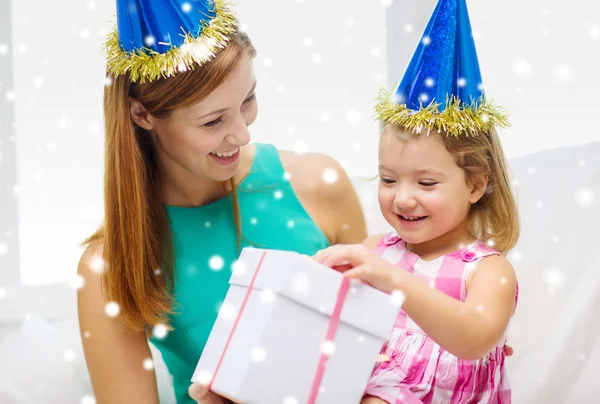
(363, 264)
(203, 395)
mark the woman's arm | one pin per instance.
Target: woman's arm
(326, 192)
(115, 355)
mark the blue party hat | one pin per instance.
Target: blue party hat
(441, 88)
(158, 38)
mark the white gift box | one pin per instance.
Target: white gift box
(294, 331)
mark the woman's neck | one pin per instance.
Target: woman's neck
(186, 189)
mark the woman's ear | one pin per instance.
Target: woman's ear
(479, 185)
(139, 115)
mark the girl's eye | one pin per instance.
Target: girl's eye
(213, 123)
(387, 181)
(427, 183)
(250, 99)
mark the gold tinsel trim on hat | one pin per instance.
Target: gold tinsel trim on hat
(147, 65)
(457, 119)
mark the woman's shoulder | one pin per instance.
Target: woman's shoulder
(315, 171)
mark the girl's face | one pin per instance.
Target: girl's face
(204, 140)
(423, 193)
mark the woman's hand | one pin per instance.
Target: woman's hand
(359, 262)
(203, 395)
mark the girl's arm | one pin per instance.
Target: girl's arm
(470, 329)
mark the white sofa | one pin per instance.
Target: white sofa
(555, 333)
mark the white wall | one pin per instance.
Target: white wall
(319, 65)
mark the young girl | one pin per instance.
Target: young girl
(445, 190)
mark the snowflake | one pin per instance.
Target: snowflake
(522, 68)
(149, 40)
(290, 224)
(87, 334)
(281, 89)
(148, 364)
(594, 32)
(584, 197)
(91, 5)
(387, 3)
(554, 277)
(3, 293)
(267, 296)
(88, 400)
(516, 255)
(562, 73)
(361, 338)
(350, 21)
(69, 356)
(227, 311)
(353, 117)
(253, 221)
(480, 308)
(424, 97)
(204, 377)
(268, 62)
(112, 309)
(258, 354)
(84, 33)
(408, 28)
(290, 400)
(160, 331)
(3, 249)
(300, 147)
(397, 297)
(317, 58)
(539, 204)
(216, 263)
(429, 82)
(38, 81)
(461, 82)
(238, 267)
(77, 282)
(330, 175)
(3, 49)
(278, 194)
(375, 51)
(97, 264)
(426, 40)
(328, 348)
(307, 41)
(10, 96)
(300, 283)
(186, 7)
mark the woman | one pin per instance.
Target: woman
(184, 191)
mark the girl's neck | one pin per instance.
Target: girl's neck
(454, 240)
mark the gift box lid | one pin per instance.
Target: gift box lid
(286, 274)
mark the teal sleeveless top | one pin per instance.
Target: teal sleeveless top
(204, 243)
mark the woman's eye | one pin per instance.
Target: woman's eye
(213, 123)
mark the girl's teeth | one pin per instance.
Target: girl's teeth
(411, 217)
(226, 154)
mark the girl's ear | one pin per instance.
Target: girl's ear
(479, 185)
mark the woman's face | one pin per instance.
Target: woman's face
(205, 139)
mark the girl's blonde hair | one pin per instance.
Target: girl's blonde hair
(494, 219)
(135, 235)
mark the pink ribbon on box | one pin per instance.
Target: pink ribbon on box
(334, 322)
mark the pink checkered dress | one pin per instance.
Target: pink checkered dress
(419, 370)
